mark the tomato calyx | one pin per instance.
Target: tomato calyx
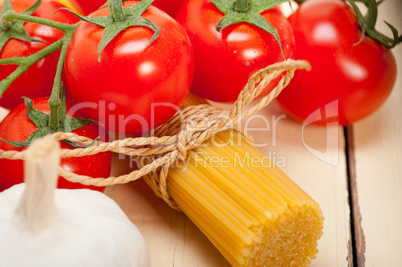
(119, 19)
(15, 29)
(367, 24)
(45, 126)
(237, 11)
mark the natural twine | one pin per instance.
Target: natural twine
(170, 142)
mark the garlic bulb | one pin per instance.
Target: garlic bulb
(44, 226)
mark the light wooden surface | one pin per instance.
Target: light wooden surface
(316, 159)
(377, 150)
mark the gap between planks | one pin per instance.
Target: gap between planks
(357, 243)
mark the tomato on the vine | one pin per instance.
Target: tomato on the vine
(16, 126)
(350, 79)
(131, 86)
(225, 60)
(37, 81)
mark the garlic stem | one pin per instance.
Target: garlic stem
(36, 207)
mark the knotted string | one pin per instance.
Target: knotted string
(187, 129)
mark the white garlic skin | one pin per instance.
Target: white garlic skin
(89, 229)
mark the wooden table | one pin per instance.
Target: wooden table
(353, 173)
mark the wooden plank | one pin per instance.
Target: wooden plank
(315, 160)
(175, 241)
(377, 146)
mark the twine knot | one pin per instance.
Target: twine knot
(187, 129)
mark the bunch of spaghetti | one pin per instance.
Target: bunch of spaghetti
(252, 212)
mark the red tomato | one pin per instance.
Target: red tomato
(225, 61)
(16, 126)
(88, 6)
(37, 81)
(131, 90)
(347, 81)
(169, 6)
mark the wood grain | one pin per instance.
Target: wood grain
(377, 143)
(379, 187)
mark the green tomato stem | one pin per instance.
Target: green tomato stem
(367, 24)
(241, 6)
(54, 100)
(27, 18)
(5, 25)
(372, 13)
(25, 62)
(116, 10)
(3, 40)
(56, 119)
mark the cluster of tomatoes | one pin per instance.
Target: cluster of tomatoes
(132, 88)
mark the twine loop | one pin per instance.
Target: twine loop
(187, 129)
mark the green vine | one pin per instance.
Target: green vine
(15, 29)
